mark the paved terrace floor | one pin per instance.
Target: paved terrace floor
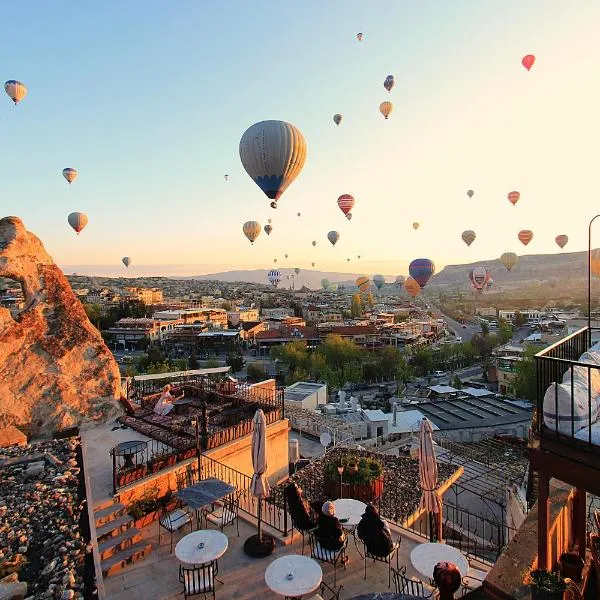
(156, 576)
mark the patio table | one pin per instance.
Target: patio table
(425, 556)
(201, 547)
(350, 512)
(205, 492)
(293, 575)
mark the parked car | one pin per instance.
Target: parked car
(438, 373)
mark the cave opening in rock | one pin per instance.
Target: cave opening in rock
(12, 297)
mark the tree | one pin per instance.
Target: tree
(504, 332)
(485, 328)
(155, 354)
(422, 361)
(212, 363)
(370, 301)
(193, 362)
(389, 360)
(456, 382)
(256, 371)
(227, 305)
(519, 319)
(293, 355)
(525, 383)
(400, 317)
(93, 312)
(235, 361)
(339, 352)
(356, 306)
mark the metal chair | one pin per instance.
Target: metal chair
(327, 556)
(227, 514)
(333, 593)
(385, 559)
(473, 580)
(198, 580)
(173, 521)
(406, 585)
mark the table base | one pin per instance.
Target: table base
(259, 547)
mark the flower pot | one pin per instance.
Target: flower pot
(571, 565)
(130, 475)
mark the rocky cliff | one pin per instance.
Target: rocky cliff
(55, 370)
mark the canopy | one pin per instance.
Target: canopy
(428, 475)
(259, 487)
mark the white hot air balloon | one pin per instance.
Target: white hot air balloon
(274, 277)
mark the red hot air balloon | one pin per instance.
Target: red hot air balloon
(346, 202)
(513, 197)
(528, 61)
(525, 236)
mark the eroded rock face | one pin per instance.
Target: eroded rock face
(55, 370)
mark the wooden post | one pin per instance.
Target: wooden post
(543, 519)
(580, 518)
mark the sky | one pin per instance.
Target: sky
(148, 101)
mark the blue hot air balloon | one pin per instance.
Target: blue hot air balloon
(421, 269)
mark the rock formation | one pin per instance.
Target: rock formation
(55, 370)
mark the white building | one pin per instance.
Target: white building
(305, 395)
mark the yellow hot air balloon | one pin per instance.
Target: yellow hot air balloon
(415, 226)
(385, 108)
(595, 262)
(251, 230)
(363, 284)
(16, 90)
(412, 287)
(468, 236)
(509, 260)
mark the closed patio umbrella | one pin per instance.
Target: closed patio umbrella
(259, 545)
(428, 475)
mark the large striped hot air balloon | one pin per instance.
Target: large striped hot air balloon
(412, 287)
(16, 90)
(273, 154)
(385, 108)
(561, 240)
(468, 236)
(70, 174)
(346, 203)
(251, 230)
(333, 237)
(363, 284)
(478, 277)
(77, 220)
(509, 260)
(421, 269)
(513, 197)
(378, 280)
(274, 277)
(525, 236)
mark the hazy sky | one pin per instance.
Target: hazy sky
(148, 100)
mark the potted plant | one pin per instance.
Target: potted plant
(129, 474)
(571, 565)
(361, 478)
(547, 585)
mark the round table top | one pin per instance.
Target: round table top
(214, 544)
(130, 447)
(348, 508)
(293, 575)
(425, 556)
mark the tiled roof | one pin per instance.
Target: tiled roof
(353, 330)
(292, 333)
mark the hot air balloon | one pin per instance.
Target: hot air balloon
(285, 255)
(70, 174)
(16, 90)
(273, 204)
(126, 261)
(595, 262)
(337, 118)
(324, 283)
(274, 277)
(359, 37)
(470, 193)
(334, 287)
(346, 203)
(421, 269)
(77, 220)
(399, 280)
(415, 226)
(274, 260)
(388, 84)
(378, 280)
(273, 154)
(363, 284)
(349, 216)
(268, 228)
(468, 236)
(333, 237)
(513, 197)
(269, 221)
(347, 260)
(490, 282)
(226, 177)
(412, 287)
(562, 240)
(314, 243)
(528, 61)
(299, 214)
(385, 108)
(478, 277)
(251, 230)
(313, 264)
(525, 236)
(358, 257)
(509, 260)
(297, 270)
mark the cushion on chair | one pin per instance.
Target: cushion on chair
(324, 553)
(176, 519)
(222, 519)
(474, 578)
(583, 434)
(204, 581)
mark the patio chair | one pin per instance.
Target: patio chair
(226, 514)
(597, 521)
(407, 585)
(327, 593)
(385, 559)
(328, 556)
(473, 579)
(173, 521)
(198, 580)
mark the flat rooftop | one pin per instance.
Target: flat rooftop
(301, 390)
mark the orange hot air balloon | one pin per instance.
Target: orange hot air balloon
(525, 236)
(513, 197)
(595, 262)
(412, 287)
(528, 61)
(561, 240)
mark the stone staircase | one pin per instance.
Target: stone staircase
(119, 542)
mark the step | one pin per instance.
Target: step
(114, 527)
(110, 513)
(106, 503)
(121, 559)
(110, 546)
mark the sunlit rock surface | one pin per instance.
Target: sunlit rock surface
(55, 370)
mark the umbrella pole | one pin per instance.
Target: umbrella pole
(259, 515)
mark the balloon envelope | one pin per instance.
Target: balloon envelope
(525, 236)
(126, 261)
(378, 280)
(274, 277)
(400, 279)
(479, 277)
(70, 174)
(346, 203)
(513, 197)
(470, 193)
(16, 90)
(363, 283)
(421, 269)
(77, 220)
(273, 154)
(528, 61)
(415, 226)
(314, 242)
(359, 37)
(333, 237)
(251, 230)
(388, 84)
(562, 240)
(324, 283)
(296, 270)
(385, 108)
(412, 287)
(468, 236)
(595, 262)
(509, 260)
(337, 118)
(268, 228)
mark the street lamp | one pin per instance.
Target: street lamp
(195, 422)
(341, 472)
(590, 280)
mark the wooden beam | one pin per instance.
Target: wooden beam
(543, 520)
(580, 518)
